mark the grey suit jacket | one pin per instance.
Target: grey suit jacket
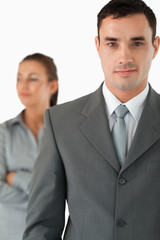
(78, 163)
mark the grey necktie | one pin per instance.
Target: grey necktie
(119, 132)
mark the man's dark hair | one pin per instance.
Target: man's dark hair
(51, 70)
(123, 8)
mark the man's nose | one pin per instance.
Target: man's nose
(125, 55)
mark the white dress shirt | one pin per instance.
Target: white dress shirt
(135, 107)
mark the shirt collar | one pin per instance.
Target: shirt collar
(17, 119)
(135, 105)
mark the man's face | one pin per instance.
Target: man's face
(126, 51)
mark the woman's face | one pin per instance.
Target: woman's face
(33, 87)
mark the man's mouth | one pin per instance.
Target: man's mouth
(125, 72)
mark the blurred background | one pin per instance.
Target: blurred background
(64, 30)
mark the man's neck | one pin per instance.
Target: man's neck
(126, 95)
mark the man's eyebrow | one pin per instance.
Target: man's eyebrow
(111, 39)
(138, 39)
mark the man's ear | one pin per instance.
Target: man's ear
(156, 45)
(97, 43)
(53, 86)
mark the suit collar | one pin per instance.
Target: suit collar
(148, 130)
(96, 99)
(96, 129)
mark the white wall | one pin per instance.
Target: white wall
(62, 29)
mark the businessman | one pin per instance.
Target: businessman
(101, 153)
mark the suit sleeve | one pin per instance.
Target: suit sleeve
(46, 208)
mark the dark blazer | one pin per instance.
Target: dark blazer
(78, 163)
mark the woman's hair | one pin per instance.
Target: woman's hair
(123, 8)
(51, 69)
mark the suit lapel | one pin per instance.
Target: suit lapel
(96, 128)
(148, 130)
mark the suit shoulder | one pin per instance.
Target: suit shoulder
(74, 111)
(71, 106)
(68, 114)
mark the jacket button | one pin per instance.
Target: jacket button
(121, 181)
(121, 223)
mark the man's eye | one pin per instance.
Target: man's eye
(137, 44)
(112, 44)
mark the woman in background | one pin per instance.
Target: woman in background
(37, 88)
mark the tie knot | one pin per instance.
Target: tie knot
(121, 111)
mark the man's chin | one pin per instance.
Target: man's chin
(126, 86)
